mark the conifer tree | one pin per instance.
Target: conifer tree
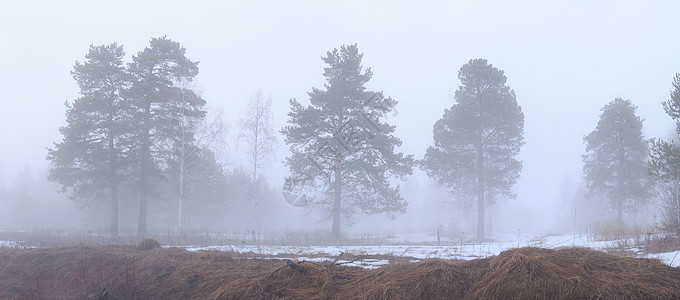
(341, 145)
(664, 163)
(615, 161)
(161, 106)
(477, 139)
(92, 160)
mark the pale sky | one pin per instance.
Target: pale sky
(564, 59)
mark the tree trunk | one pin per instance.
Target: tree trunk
(113, 189)
(337, 199)
(181, 193)
(677, 204)
(143, 196)
(480, 212)
(182, 160)
(480, 194)
(619, 213)
(144, 180)
(253, 191)
(114, 213)
(113, 185)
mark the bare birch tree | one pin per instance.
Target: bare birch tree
(193, 136)
(257, 135)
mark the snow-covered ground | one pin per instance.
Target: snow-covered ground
(451, 250)
(416, 247)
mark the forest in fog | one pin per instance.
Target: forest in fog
(139, 146)
(276, 126)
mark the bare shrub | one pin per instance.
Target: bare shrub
(148, 244)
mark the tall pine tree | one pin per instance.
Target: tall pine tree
(615, 158)
(92, 160)
(159, 71)
(341, 144)
(476, 140)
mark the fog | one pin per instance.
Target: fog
(564, 60)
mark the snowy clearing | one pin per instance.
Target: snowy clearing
(363, 255)
(413, 247)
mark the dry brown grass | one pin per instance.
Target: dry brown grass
(663, 243)
(126, 272)
(574, 273)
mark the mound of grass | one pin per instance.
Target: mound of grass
(126, 272)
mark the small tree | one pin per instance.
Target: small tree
(664, 164)
(189, 141)
(615, 158)
(93, 160)
(341, 144)
(260, 143)
(476, 140)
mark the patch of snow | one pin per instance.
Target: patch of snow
(10, 244)
(670, 258)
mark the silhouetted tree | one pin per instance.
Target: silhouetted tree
(341, 144)
(257, 134)
(476, 141)
(615, 158)
(93, 160)
(158, 73)
(664, 164)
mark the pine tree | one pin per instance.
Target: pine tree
(159, 72)
(664, 163)
(476, 140)
(615, 158)
(341, 144)
(92, 159)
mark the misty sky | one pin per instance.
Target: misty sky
(565, 60)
